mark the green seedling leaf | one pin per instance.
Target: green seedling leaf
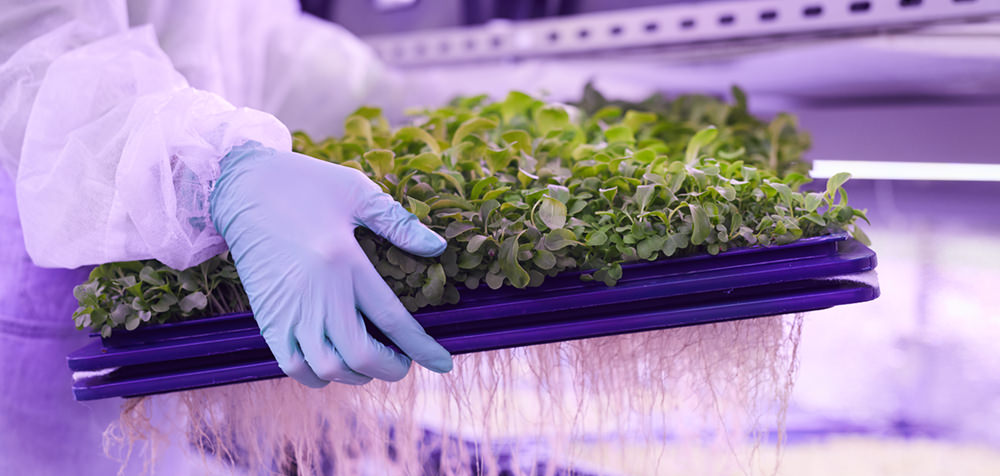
(597, 238)
(795, 180)
(381, 161)
(650, 247)
(469, 260)
(164, 303)
(360, 127)
(619, 134)
(784, 192)
(86, 291)
(815, 218)
(426, 162)
(699, 140)
(544, 259)
(455, 229)
(498, 159)
(495, 193)
(813, 200)
(472, 126)
(453, 179)
(512, 270)
(584, 151)
(368, 112)
(388, 269)
(607, 114)
(475, 243)
(486, 210)
(132, 322)
(516, 104)
(558, 239)
(135, 289)
(552, 212)
(481, 186)
(433, 289)
(615, 272)
(551, 118)
(576, 206)
(634, 120)
(560, 193)
(410, 134)
(188, 281)
(609, 193)
(645, 156)
(149, 276)
(731, 155)
(494, 280)
(451, 201)
(701, 225)
(120, 313)
(519, 140)
(644, 195)
(525, 178)
(834, 183)
(418, 208)
(195, 300)
(862, 214)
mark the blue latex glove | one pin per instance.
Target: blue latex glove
(289, 221)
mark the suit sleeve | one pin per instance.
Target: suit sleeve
(113, 152)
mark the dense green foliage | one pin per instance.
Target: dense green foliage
(523, 189)
(130, 293)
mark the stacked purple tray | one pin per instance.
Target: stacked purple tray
(738, 284)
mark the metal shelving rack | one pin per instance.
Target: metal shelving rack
(641, 30)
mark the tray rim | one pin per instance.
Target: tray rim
(838, 293)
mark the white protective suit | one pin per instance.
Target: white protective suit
(113, 118)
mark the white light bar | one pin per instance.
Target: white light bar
(886, 170)
(688, 23)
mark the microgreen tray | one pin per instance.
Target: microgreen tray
(698, 289)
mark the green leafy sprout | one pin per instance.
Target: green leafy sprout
(523, 190)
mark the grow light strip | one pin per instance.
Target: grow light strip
(892, 170)
(686, 23)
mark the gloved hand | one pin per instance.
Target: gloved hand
(289, 221)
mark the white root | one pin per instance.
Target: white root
(699, 400)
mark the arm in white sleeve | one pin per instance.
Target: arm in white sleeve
(113, 152)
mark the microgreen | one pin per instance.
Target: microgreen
(524, 190)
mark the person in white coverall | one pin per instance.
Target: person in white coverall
(156, 129)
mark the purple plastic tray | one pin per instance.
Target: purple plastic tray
(806, 259)
(693, 290)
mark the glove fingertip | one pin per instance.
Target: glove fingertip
(427, 243)
(440, 364)
(436, 244)
(312, 383)
(443, 366)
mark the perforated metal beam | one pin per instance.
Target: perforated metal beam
(640, 29)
